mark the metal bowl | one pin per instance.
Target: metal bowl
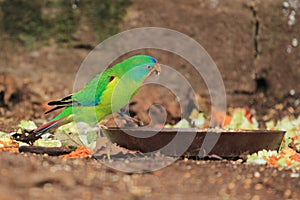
(191, 142)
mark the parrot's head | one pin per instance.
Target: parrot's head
(140, 67)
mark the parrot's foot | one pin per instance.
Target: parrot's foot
(130, 119)
(100, 127)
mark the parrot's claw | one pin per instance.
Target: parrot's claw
(129, 119)
(100, 127)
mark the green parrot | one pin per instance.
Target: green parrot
(104, 94)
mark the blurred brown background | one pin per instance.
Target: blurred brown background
(254, 44)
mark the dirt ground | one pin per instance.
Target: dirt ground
(27, 176)
(48, 73)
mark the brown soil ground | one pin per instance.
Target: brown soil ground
(49, 73)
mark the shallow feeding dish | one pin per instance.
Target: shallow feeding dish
(190, 142)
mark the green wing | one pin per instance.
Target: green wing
(90, 95)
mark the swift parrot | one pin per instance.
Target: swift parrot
(104, 94)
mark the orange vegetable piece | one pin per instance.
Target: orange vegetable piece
(295, 157)
(287, 151)
(227, 120)
(220, 116)
(295, 137)
(288, 162)
(80, 152)
(3, 143)
(10, 149)
(272, 160)
(248, 114)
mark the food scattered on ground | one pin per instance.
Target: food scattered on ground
(82, 137)
(241, 119)
(287, 157)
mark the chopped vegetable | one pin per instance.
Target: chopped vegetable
(196, 119)
(5, 140)
(80, 134)
(242, 119)
(292, 128)
(182, 124)
(27, 125)
(80, 152)
(84, 137)
(47, 143)
(287, 157)
(6, 143)
(68, 135)
(260, 157)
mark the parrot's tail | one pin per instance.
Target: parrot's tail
(49, 125)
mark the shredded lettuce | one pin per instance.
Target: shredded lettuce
(292, 128)
(27, 125)
(77, 134)
(240, 121)
(5, 138)
(182, 124)
(260, 157)
(47, 143)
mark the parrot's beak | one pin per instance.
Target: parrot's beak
(157, 69)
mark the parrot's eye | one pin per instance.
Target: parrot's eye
(148, 67)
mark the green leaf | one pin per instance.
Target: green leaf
(182, 124)
(27, 125)
(77, 134)
(260, 157)
(198, 121)
(240, 121)
(68, 135)
(47, 143)
(5, 138)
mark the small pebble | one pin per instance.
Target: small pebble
(231, 185)
(219, 174)
(126, 178)
(115, 178)
(48, 187)
(261, 169)
(291, 110)
(279, 106)
(255, 197)
(292, 18)
(256, 174)
(67, 168)
(258, 186)
(294, 42)
(285, 4)
(297, 102)
(239, 161)
(292, 92)
(3, 172)
(289, 49)
(287, 193)
(187, 175)
(248, 182)
(295, 175)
